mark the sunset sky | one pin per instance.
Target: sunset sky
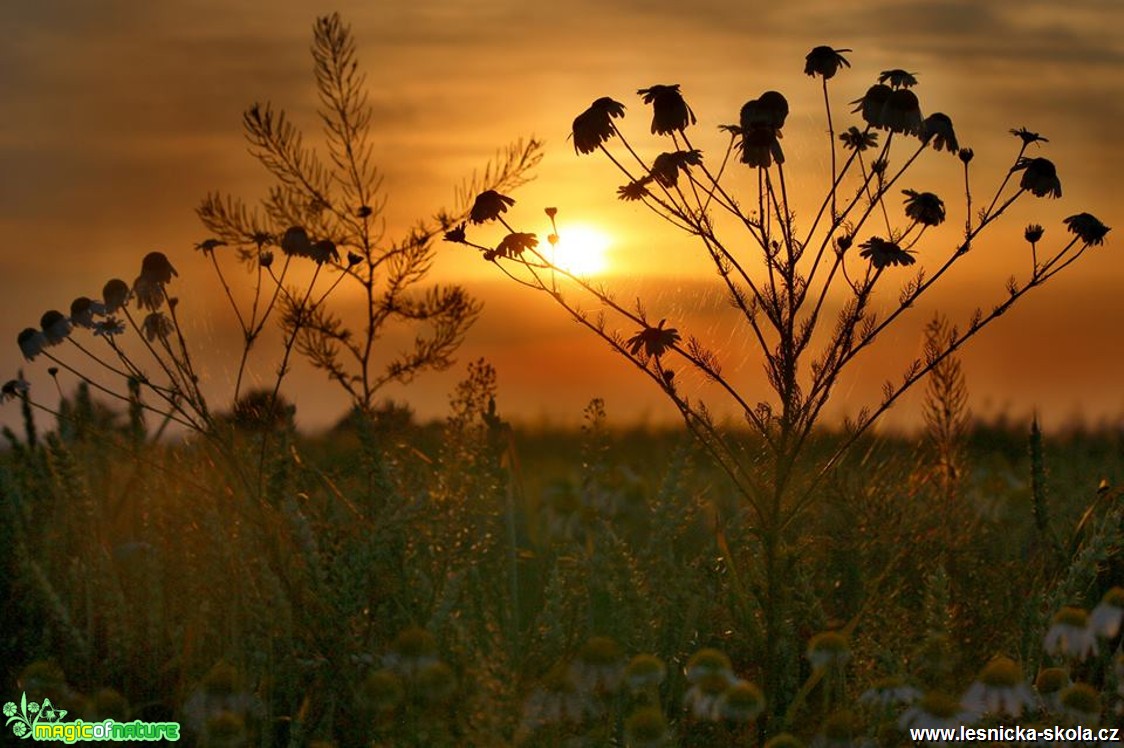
(119, 116)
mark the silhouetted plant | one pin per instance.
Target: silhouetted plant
(782, 288)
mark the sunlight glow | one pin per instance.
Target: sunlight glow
(582, 250)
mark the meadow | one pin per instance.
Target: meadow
(759, 575)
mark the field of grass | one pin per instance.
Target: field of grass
(468, 584)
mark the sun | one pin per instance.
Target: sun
(582, 250)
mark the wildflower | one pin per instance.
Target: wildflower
(828, 648)
(550, 212)
(898, 78)
(31, 342)
(207, 246)
(635, 190)
(1106, 617)
(156, 268)
(760, 148)
(882, 253)
(55, 326)
(999, 689)
(512, 245)
(825, 62)
(844, 242)
(1082, 704)
(873, 105)
(595, 125)
(365, 211)
(855, 139)
(903, 113)
(109, 327)
(879, 166)
(1028, 137)
(265, 259)
(456, 234)
(666, 167)
(741, 702)
(768, 110)
(924, 207)
(655, 341)
(966, 155)
(323, 251)
(82, 311)
(669, 111)
(1033, 233)
(149, 293)
(935, 710)
(157, 326)
(353, 259)
(261, 238)
(888, 692)
(115, 294)
(938, 129)
(1087, 228)
(1050, 683)
(220, 695)
(12, 389)
(412, 650)
(489, 205)
(1039, 176)
(644, 672)
(646, 728)
(1069, 634)
(599, 665)
(295, 241)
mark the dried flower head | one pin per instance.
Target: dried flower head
(1033, 233)
(670, 112)
(115, 294)
(595, 125)
(1040, 177)
(666, 166)
(489, 205)
(825, 62)
(655, 341)
(882, 253)
(937, 129)
(634, 190)
(55, 326)
(1087, 228)
(513, 245)
(924, 207)
(855, 139)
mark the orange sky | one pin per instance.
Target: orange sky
(119, 119)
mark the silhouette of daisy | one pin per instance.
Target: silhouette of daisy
(82, 311)
(966, 155)
(825, 62)
(903, 113)
(323, 251)
(1087, 228)
(55, 326)
(669, 111)
(489, 205)
(760, 148)
(924, 207)
(653, 341)
(595, 125)
(109, 327)
(1033, 233)
(31, 342)
(855, 139)
(12, 389)
(207, 246)
(156, 326)
(898, 78)
(1028, 137)
(634, 190)
(882, 253)
(148, 293)
(512, 245)
(295, 242)
(156, 268)
(937, 129)
(1040, 176)
(666, 167)
(873, 105)
(456, 234)
(759, 125)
